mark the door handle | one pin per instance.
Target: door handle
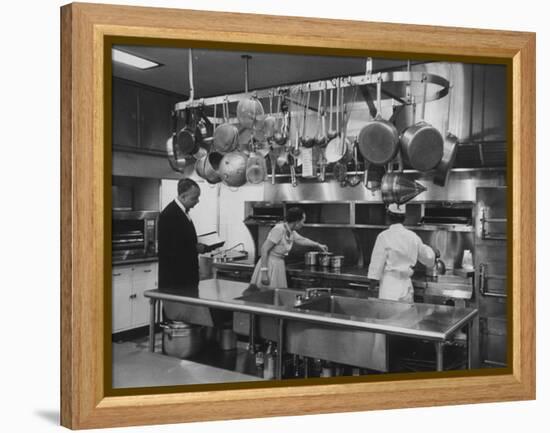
(483, 277)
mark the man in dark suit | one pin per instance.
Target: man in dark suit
(178, 249)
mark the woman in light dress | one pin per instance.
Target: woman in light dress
(270, 271)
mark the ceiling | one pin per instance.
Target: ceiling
(217, 72)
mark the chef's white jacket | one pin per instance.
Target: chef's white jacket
(395, 252)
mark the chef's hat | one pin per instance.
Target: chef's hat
(396, 209)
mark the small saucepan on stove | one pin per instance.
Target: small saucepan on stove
(336, 262)
(324, 259)
(311, 258)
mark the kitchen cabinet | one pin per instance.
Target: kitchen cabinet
(130, 307)
(141, 117)
(125, 115)
(155, 125)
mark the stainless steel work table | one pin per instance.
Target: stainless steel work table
(437, 323)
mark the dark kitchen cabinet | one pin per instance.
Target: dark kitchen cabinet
(141, 117)
(125, 115)
(155, 124)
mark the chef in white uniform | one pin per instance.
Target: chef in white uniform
(395, 252)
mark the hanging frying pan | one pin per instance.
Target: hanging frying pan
(378, 140)
(421, 143)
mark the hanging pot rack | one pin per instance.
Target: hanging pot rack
(396, 85)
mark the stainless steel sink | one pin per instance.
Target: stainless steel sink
(266, 327)
(355, 307)
(274, 297)
(342, 345)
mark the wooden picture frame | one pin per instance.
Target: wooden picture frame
(84, 270)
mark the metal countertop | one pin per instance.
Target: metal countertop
(427, 321)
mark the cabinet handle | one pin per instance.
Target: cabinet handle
(133, 296)
(147, 270)
(117, 275)
(363, 286)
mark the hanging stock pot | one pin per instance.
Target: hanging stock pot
(232, 169)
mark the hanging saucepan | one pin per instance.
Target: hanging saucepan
(232, 169)
(225, 135)
(250, 112)
(421, 143)
(256, 169)
(450, 146)
(378, 140)
(185, 143)
(207, 167)
(205, 130)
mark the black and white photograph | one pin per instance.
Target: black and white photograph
(287, 216)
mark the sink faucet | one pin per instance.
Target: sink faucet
(317, 291)
(234, 246)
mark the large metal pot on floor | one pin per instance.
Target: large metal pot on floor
(181, 339)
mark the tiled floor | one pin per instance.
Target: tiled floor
(135, 366)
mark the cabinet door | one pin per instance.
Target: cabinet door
(125, 115)
(155, 119)
(144, 278)
(122, 301)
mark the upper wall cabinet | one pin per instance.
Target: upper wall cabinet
(141, 117)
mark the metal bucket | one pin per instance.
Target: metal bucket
(181, 339)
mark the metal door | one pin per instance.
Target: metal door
(490, 260)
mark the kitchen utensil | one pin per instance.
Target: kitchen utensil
(467, 261)
(273, 161)
(225, 135)
(306, 141)
(331, 132)
(311, 257)
(421, 143)
(185, 143)
(324, 259)
(450, 147)
(321, 138)
(339, 172)
(336, 262)
(181, 339)
(232, 169)
(397, 188)
(280, 136)
(207, 167)
(250, 112)
(255, 168)
(378, 139)
(355, 179)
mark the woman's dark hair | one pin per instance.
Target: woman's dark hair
(294, 214)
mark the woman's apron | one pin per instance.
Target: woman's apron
(276, 269)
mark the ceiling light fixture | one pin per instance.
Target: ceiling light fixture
(134, 61)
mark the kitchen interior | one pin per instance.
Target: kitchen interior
(264, 132)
